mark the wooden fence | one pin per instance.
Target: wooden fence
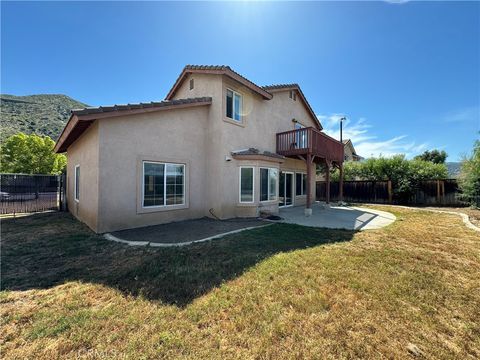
(429, 192)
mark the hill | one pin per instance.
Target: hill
(44, 114)
(453, 169)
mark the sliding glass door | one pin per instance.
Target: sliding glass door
(286, 189)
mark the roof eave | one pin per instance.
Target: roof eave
(64, 141)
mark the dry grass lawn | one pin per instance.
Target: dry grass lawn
(279, 292)
(473, 214)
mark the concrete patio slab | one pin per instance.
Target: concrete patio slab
(338, 217)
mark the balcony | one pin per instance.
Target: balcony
(310, 141)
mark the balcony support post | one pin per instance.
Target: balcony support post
(308, 207)
(340, 191)
(327, 178)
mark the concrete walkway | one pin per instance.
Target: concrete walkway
(338, 217)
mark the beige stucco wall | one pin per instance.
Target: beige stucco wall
(261, 120)
(200, 137)
(176, 136)
(84, 152)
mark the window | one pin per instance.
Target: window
(191, 84)
(246, 184)
(163, 184)
(301, 136)
(77, 182)
(300, 184)
(293, 95)
(234, 105)
(268, 184)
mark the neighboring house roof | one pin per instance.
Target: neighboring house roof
(218, 70)
(81, 119)
(287, 87)
(348, 142)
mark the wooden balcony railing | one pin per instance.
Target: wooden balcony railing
(309, 140)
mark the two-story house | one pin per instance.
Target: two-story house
(349, 153)
(219, 145)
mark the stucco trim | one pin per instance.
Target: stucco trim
(259, 157)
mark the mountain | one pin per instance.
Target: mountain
(453, 169)
(44, 114)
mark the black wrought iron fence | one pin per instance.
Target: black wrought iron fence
(21, 193)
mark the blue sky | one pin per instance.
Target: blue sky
(406, 75)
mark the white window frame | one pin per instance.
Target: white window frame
(76, 196)
(240, 184)
(300, 139)
(164, 185)
(268, 182)
(233, 105)
(303, 191)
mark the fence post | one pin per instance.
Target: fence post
(340, 190)
(389, 187)
(59, 189)
(438, 191)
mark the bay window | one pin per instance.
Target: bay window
(268, 184)
(246, 184)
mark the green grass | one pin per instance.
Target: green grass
(283, 291)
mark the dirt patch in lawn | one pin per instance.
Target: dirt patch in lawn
(186, 231)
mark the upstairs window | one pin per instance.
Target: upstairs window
(192, 84)
(234, 105)
(293, 95)
(301, 137)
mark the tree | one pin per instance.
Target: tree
(30, 154)
(404, 174)
(469, 179)
(434, 156)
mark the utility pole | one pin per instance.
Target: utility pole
(340, 192)
(342, 119)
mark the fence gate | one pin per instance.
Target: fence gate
(21, 193)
